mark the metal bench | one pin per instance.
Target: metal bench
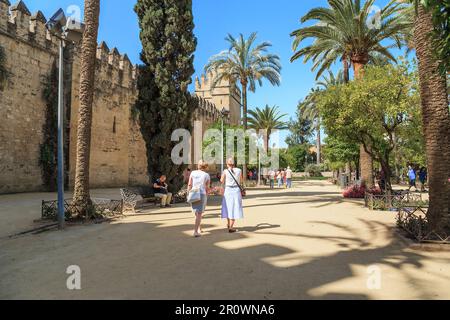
(131, 196)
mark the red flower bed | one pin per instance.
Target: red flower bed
(357, 192)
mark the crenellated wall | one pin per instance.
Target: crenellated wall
(114, 135)
(30, 53)
(223, 96)
(118, 154)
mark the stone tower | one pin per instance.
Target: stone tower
(224, 95)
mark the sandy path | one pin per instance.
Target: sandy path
(306, 243)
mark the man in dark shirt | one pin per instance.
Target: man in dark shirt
(161, 191)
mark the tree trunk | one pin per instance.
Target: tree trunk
(346, 69)
(396, 158)
(358, 69)
(387, 173)
(365, 159)
(87, 83)
(244, 112)
(436, 121)
(366, 164)
(319, 142)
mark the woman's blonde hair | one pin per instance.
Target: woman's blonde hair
(230, 161)
(202, 165)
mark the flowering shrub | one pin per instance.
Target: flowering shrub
(354, 192)
(216, 191)
(357, 192)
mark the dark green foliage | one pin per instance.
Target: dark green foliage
(300, 130)
(48, 148)
(314, 170)
(164, 103)
(296, 156)
(3, 71)
(338, 152)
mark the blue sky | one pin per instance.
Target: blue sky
(273, 20)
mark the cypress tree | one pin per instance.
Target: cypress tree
(164, 103)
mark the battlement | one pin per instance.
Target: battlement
(222, 95)
(16, 21)
(205, 83)
(207, 109)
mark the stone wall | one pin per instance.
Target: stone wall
(30, 54)
(118, 155)
(111, 144)
(118, 152)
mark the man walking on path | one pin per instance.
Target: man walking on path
(288, 178)
(272, 178)
(412, 178)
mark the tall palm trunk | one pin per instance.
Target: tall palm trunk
(319, 143)
(346, 80)
(267, 142)
(87, 83)
(346, 69)
(365, 159)
(245, 123)
(436, 121)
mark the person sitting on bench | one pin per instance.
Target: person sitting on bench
(161, 191)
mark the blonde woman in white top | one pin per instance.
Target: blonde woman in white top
(199, 179)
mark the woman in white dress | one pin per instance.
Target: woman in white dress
(201, 180)
(232, 197)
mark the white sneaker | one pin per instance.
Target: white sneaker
(197, 235)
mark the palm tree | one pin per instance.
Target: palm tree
(87, 83)
(435, 117)
(246, 63)
(345, 31)
(268, 119)
(331, 80)
(308, 109)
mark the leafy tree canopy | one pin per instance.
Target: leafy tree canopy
(372, 110)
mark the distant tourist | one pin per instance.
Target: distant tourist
(423, 178)
(280, 178)
(265, 176)
(271, 175)
(288, 178)
(232, 197)
(201, 181)
(161, 191)
(412, 178)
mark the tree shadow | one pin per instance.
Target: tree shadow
(156, 260)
